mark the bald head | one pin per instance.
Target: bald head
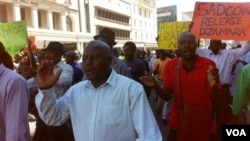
(100, 44)
(186, 34)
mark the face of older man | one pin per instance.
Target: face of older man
(96, 62)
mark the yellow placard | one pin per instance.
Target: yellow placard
(13, 35)
(169, 33)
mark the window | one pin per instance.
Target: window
(56, 21)
(69, 24)
(25, 13)
(42, 19)
(3, 14)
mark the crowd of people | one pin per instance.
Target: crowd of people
(100, 95)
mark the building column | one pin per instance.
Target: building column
(50, 20)
(35, 19)
(16, 12)
(64, 21)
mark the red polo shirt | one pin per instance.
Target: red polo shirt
(194, 85)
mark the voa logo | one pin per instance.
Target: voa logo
(236, 132)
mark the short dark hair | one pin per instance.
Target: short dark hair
(131, 45)
(56, 46)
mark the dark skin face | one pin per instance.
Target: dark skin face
(215, 46)
(187, 46)
(129, 53)
(69, 59)
(53, 55)
(96, 64)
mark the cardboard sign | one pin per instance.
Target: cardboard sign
(227, 21)
(13, 35)
(169, 33)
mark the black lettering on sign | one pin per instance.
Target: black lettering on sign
(220, 9)
(212, 21)
(223, 31)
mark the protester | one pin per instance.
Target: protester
(140, 54)
(70, 57)
(108, 36)
(224, 59)
(193, 82)
(54, 51)
(158, 70)
(136, 66)
(14, 99)
(105, 107)
(241, 100)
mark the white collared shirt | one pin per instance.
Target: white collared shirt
(118, 110)
(225, 59)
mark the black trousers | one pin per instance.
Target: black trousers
(52, 133)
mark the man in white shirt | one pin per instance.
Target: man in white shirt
(105, 107)
(54, 51)
(224, 59)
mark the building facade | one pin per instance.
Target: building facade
(75, 22)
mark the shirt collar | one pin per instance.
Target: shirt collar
(110, 81)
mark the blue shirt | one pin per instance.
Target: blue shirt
(118, 110)
(14, 99)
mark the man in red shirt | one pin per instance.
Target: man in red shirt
(197, 84)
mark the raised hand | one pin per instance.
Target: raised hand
(45, 77)
(212, 76)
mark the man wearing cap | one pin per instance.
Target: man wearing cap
(108, 36)
(54, 51)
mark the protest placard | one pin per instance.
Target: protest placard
(13, 35)
(222, 21)
(169, 32)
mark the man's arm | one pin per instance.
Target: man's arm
(164, 93)
(239, 52)
(17, 128)
(51, 111)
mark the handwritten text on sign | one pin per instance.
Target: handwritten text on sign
(169, 33)
(14, 36)
(229, 21)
